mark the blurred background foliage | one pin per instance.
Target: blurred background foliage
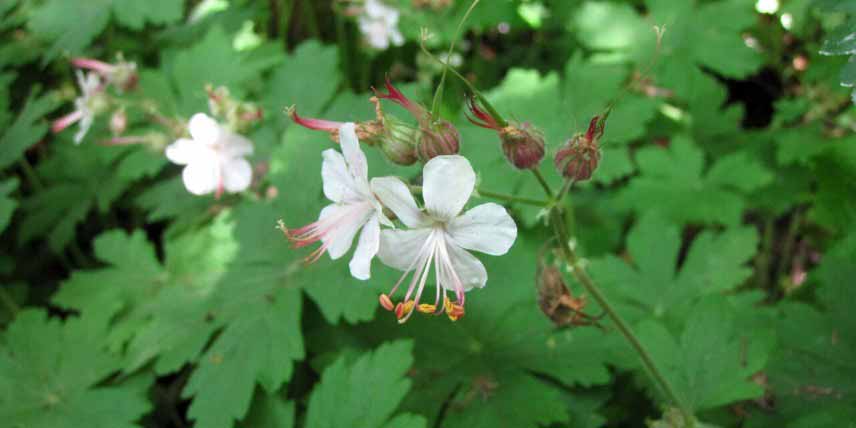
(720, 219)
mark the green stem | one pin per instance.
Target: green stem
(544, 184)
(484, 102)
(511, 198)
(585, 280)
(438, 94)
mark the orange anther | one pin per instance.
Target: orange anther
(386, 302)
(403, 309)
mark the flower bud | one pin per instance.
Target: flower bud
(118, 122)
(398, 141)
(438, 139)
(577, 159)
(124, 76)
(523, 145)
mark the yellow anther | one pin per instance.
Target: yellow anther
(453, 310)
(386, 302)
(426, 308)
(403, 309)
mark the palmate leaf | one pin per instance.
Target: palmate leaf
(364, 392)
(77, 179)
(53, 372)
(811, 374)
(712, 360)
(674, 178)
(213, 60)
(652, 284)
(168, 313)
(71, 26)
(27, 129)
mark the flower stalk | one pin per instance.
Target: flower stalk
(580, 274)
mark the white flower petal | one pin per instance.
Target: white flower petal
(237, 175)
(183, 151)
(204, 129)
(201, 177)
(468, 268)
(394, 194)
(338, 183)
(487, 228)
(367, 248)
(447, 183)
(399, 248)
(353, 217)
(237, 146)
(85, 123)
(354, 156)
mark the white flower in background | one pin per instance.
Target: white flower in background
(440, 236)
(354, 207)
(379, 24)
(90, 102)
(214, 157)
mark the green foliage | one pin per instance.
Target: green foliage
(342, 398)
(675, 177)
(55, 374)
(718, 221)
(713, 264)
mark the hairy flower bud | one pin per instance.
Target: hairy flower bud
(579, 157)
(523, 145)
(398, 141)
(438, 139)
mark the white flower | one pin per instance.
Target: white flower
(379, 24)
(214, 158)
(440, 236)
(354, 207)
(86, 106)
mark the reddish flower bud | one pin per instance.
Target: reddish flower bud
(579, 157)
(438, 139)
(523, 146)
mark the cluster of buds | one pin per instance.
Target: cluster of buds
(93, 99)
(122, 74)
(522, 144)
(437, 137)
(394, 137)
(578, 158)
(401, 142)
(237, 114)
